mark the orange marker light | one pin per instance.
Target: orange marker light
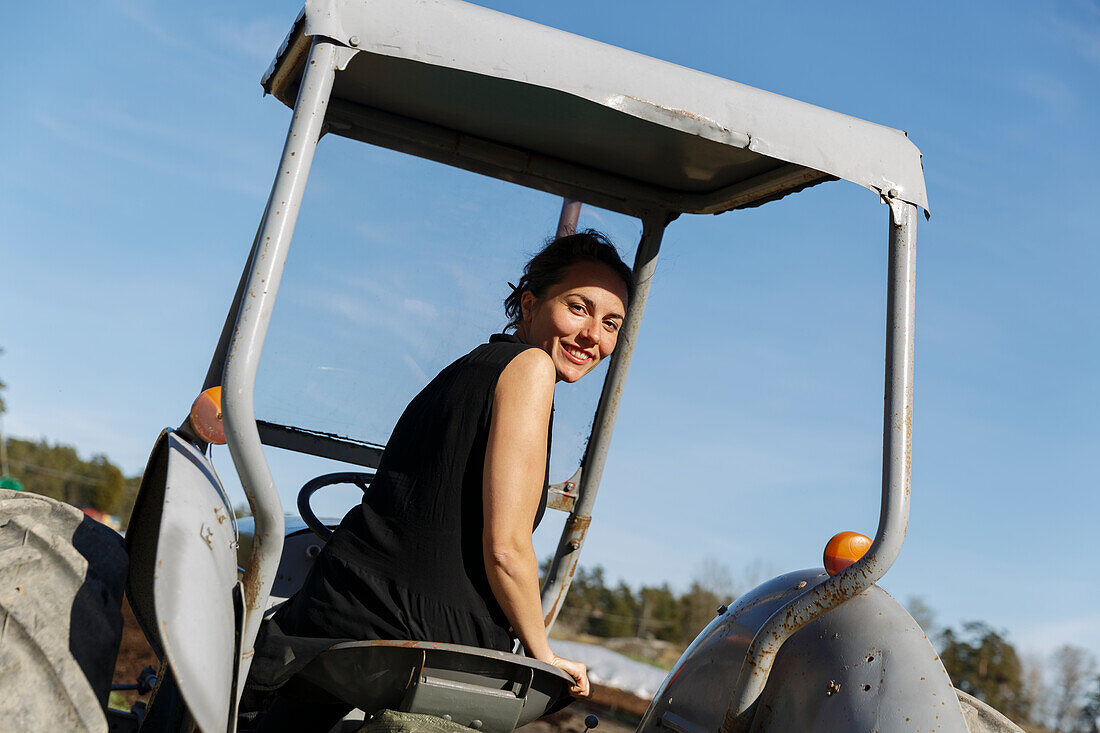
(844, 549)
(206, 416)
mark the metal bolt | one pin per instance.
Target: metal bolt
(476, 724)
(574, 545)
(722, 609)
(892, 193)
(354, 40)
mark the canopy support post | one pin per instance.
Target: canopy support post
(252, 319)
(587, 478)
(897, 441)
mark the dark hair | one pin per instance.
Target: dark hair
(548, 268)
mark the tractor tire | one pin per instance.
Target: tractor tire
(981, 718)
(62, 577)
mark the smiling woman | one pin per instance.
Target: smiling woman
(440, 549)
(570, 302)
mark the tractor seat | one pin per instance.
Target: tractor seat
(483, 689)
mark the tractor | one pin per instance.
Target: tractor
(821, 649)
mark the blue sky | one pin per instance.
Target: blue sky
(140, 152)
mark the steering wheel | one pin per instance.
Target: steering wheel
(362, 480)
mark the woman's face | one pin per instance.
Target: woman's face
(577, 322)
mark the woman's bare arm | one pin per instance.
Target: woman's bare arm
(515, 469)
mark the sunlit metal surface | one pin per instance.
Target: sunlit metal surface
(894, 511)
(253, 316)
(194, 577)
(516, 100)
(580, 490)
(864, 666)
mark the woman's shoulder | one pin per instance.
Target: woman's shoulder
(503, 356)
(501, 349)
(483, 364)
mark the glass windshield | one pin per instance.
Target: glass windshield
(390, 280)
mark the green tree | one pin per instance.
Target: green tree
(594, 608)
(659, 615)
(698, 608)
(583, 603)
(1090, 713)
(111, 484)
(711, 587)
(982, 663)
(1072, 700)
(57, 471)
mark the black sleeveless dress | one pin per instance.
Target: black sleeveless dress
(407, 563)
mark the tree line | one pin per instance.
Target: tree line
(595, 608)
(57, 471)
(1056, 692)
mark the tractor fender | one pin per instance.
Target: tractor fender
(865, 665)
(183, 577)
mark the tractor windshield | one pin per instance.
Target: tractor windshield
(387, 284)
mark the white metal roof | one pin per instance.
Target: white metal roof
(506, 97)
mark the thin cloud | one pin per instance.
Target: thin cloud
(1081, 35)
(419, 373)
(1083, 631)
(80, 137)
(421, 308)
(93, 138)
(141, 15)
(1052, 93)
(257, 40)
(367, 313)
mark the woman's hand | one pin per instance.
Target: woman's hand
(581, 687)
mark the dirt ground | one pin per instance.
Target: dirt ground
(618, 712)
(133, 655)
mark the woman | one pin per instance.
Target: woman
(440, 549)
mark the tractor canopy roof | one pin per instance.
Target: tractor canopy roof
(519, 101)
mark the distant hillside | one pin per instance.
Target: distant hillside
(59, 472)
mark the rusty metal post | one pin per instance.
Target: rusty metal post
(897, 435)
(587, 478)
(253, 317)
(570, 215)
